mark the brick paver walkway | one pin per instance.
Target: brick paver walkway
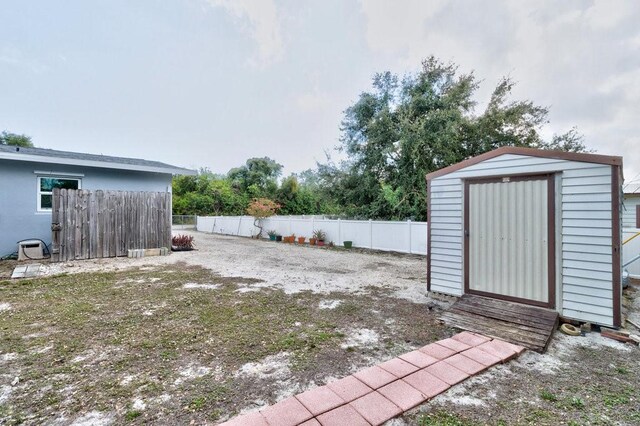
(379, 393)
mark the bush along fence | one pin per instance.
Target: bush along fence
(403, 237)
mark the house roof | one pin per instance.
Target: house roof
(41, 155)
(531, 152)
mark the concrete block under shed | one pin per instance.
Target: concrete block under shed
(135, 253)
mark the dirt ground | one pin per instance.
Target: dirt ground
(197, 337)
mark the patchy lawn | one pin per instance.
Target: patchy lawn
(240, 324)
(588, 380)
(181, 343)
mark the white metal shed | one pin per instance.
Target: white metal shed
(532, 226)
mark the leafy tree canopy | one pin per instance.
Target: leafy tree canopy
(259, 176)
(7, 138)
(405, 128)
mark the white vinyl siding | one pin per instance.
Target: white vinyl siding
(629, 211)
(585, 230)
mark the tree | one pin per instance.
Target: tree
(261, 208)
(7, 138)
(258, 177)
(405, 128)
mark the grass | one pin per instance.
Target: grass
(548, 396)
(97, 341)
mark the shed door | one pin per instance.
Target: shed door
(509, 251)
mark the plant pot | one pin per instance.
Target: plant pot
(320, 243)
(278, 238)
(272, 237)
(347, 244)
(312, 241)
(301, 240)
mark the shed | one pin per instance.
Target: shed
(537, 227)
(29, 175)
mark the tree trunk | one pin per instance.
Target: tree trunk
(256, 224)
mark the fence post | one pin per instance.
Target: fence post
(339, 232)
(290, 225)
(409, 225)
(239, 222)
(370, 234)
(313, 226)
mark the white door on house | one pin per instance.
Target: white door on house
(509, 238)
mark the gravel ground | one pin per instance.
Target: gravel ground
(286, 266)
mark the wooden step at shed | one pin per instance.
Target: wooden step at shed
(523, 325)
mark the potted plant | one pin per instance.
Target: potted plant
(278, 238)
(319, 235)
(292, 238)
(312, 241)
(182, 243)
(347, 244)
(272, 234)
(301, 240)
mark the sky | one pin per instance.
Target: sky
(210, 83)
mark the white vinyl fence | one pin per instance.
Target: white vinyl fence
(403, 237)
(631, 250)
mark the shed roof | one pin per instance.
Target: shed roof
(531, 152)
(42, 155)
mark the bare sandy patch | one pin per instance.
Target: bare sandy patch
(201, 286)
(94, 418)
(361, 337)
(329, 304)
(271, 367)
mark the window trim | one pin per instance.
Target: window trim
(40, 193)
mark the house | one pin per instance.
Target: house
(631, 210)
(537, 227)
(29, 175)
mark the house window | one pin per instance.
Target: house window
(46, 186)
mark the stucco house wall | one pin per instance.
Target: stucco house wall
(19, 215)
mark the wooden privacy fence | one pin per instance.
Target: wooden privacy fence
(94, 224)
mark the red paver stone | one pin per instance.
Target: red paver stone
(349, 388)
(319, 400)
(517, 348)
(437, 351)
(398, 367)
(419, 359)
(426, 383)
(289, 412)
(482, 357)
(454, 345)
(465, 364)
(402, 394)
(503, 350)
(341, 416)
(470, 339)
(251, 419)
(375, 377)
(447, 373)
(312, 422)
(376, 408)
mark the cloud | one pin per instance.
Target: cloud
(261, 21)
(582, 59)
